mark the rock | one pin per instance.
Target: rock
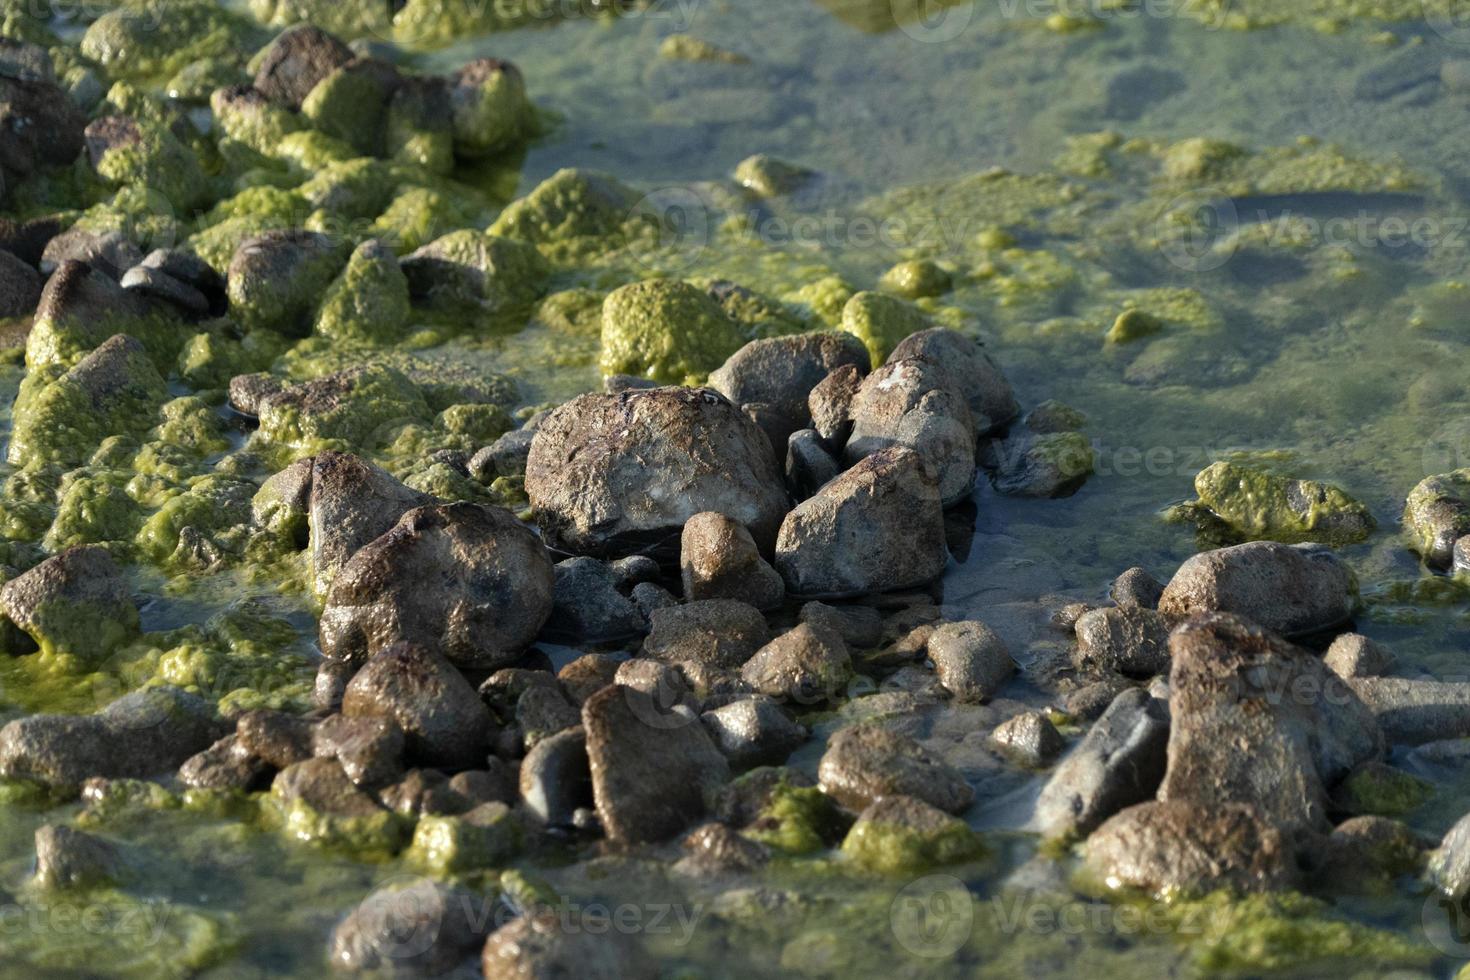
(468, 579)
(487, 835)
(42, 126)
(369, 301)
(161, 286)
(649, 598)
(754, 732)
(351, 503)
(878, 527)
(1354, 655)
(1449, 864)
(1257, 504)
(649, 781)
(830, 404)
(491, 113)
(424, 928)
(917, 279)
(809, 466)
(1053, 464)
(610, 474)
(278, 739)
(467, 270)
(293, 64)
(1136, 589)
(1172, 847)
(715, 849)
(1029, 738)
(1288, 589)
(971, 660)
(70, 858)
(667, 330)
(539, 944)
(768, 176)
(276, 279)
(1119, 762)
(1379, 789)
(866, 762)
(667, 690)
(113, 391)
(541, 712)
(571, 203)
(1258, 721)
(635, 570)
(1437, 513)
(717, 632)
(439, 712)
(76, 603)
(1132, 641)
(902, 835)
(370, 750)
(247, 392)
(20, 287)
(555, 778)
(1054, 416)
(861, 627)
(782, 371)
(974, 374)
(1415, 712)
(225, 765)
(107, 253)
(912, 403)
(506, 456)
(719, 560)
(323, 786)
(422, 791)
(145, 733)
(588, 605)
(805, 666)
(1089, 701)
(587, 675)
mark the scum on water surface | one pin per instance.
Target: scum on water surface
(1281, 208)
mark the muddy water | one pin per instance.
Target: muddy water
(1318, 339)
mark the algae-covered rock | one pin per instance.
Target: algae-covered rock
(347, 18)
(277, 279)
(247, 116)
(768, 176)
(419, 127)
(81, 307)
(881, 321)
(917, 279)
(369, 300)
(666, 330)
(93, 508)
(419, 215)
(350, 104)
(569, 204)
(62, 416)
(491, 113)
(1257, 504)
(902, 835)
(213, 503)
(1378, 789)
(126, 151)
(355, 407)
(77, 603)
(483, 838)
(467, 268)
(153, 38)
(1437, 513)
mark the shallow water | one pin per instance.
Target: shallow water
(1334, 351)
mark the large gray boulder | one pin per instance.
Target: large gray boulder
(468, 579)
(1288, 589)
(912, 403)
(610, 474)
(878, 527)
(973, 373)
(1256, 720)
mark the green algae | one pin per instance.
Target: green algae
(1256, 504)
(896, 849)
(797, 820)
(155, 38)
(665, 330)
(369, 301)
(483, 839)
(1381, 791)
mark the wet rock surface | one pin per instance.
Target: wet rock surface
(1288, 589)
(719, 560)
(867, 762)
(440, 714)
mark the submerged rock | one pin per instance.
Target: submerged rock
(1257, 504)
(867, 762)
(1174, 847)
(423, 928)
(1120, 762)
(879, 527)
(1258, 721)
(540, 945)
(611, 474)
(468, 579)
(652, 772)
(70, 858)
(1288, 589)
